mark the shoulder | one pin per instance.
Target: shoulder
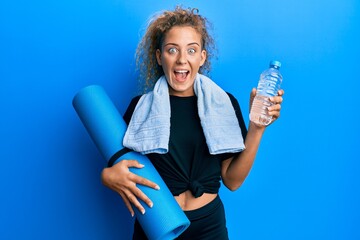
(233, 100)
(135, 100)
(130, 109)
(231, 96)
(239, 114)
(133, 103)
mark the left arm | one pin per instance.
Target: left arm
(234, 170)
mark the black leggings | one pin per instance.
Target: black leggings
(207, 222)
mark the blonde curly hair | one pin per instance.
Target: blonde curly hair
(147, 66)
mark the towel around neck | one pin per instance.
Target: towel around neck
(149, 127)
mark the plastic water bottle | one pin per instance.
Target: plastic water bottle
(268, 86)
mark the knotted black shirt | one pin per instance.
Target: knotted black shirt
(188, 165)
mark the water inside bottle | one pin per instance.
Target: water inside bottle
(259, 113)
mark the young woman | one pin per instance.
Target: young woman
(176, 50)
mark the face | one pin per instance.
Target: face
(181, 56)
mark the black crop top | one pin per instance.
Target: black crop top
(188, 163)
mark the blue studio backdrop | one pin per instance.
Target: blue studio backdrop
(305, 183)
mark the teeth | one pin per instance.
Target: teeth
(181, 71)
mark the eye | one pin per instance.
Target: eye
(191, 51)
(172, 50)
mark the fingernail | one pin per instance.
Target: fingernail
(151, 204)
(132, 214)
(157, 187)
(142, 165)
(143, 211)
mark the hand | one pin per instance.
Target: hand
(252, 97)
(121, 180)
(273, 110)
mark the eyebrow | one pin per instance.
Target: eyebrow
(193, 43)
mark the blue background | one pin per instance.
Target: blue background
(305, 181)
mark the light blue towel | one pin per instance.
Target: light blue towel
(149, 127)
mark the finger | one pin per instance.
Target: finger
(274, 111)
(276, 99)
(132, 198)
(274, 108)
(140, 195)
(127, 203)
(275, 114)
(252, 96)
(133, 163)
(143, 181)
(253, 93)
(281, 92)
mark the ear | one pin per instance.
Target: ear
(158, 56)
(203, 57)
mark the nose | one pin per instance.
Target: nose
(181, 58)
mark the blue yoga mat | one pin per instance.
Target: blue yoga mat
(165, 220)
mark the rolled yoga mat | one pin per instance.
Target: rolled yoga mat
(165, 220)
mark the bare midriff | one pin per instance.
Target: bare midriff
(188, 202)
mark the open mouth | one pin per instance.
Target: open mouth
(181, 75)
